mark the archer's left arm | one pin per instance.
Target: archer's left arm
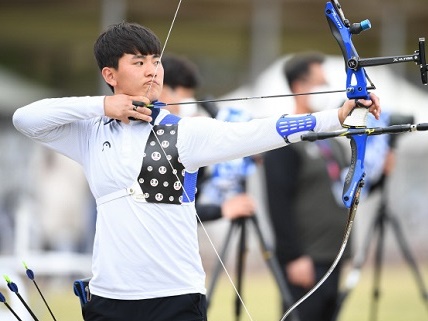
(204, 141)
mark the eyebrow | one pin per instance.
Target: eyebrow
(139, 56)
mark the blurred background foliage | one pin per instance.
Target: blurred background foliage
(50, 41)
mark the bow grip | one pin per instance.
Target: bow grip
(357, 118)
(356, 173)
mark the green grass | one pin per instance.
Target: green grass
(400, 298)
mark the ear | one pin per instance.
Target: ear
(109, 76)
(296, 87)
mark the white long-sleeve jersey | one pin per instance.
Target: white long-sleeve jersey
(143, 250)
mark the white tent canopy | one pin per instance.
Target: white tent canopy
(16, 91)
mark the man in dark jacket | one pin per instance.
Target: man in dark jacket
(307, 216)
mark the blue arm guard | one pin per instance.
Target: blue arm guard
(291, 124)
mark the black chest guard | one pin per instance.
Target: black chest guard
(157, 179)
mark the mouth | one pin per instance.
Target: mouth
(151, 82)
(151, 88)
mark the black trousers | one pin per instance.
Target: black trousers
(187, 307)
(321, 305)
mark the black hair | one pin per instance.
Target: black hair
(124, 38)
(180, 72)
(297, 67)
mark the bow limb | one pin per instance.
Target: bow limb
(355, 176)
(342, 31)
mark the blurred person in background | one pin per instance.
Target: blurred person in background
(304, 183)
(181, 82)
(8, 207)
(63, 204)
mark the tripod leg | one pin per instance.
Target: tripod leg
(405, 250)
(218, 267)
(378, 262)
(242, 249)
(275, 269)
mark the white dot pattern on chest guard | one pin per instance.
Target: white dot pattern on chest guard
(157, 179)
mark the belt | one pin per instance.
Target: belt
(134, 191)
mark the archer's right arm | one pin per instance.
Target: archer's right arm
(59, 123)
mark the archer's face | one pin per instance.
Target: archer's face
(138, 75)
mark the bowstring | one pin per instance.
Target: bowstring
(164, 45)
(175, 172)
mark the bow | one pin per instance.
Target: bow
(358, 85)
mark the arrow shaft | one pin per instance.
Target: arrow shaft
(26, 306)
(44, 300)
(12, 311)
(252, 97)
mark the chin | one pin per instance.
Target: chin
(152, 96)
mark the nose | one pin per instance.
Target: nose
(152, 69)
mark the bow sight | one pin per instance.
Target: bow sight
(418, 57)
(342, 30)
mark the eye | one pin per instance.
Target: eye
(157, 63)
(139, 63)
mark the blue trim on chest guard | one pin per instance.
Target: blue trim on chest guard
(288, 125)
(170, 119)
(190, 180)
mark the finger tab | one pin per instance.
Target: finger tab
(138, 103)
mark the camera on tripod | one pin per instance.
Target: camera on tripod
(398, 119)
